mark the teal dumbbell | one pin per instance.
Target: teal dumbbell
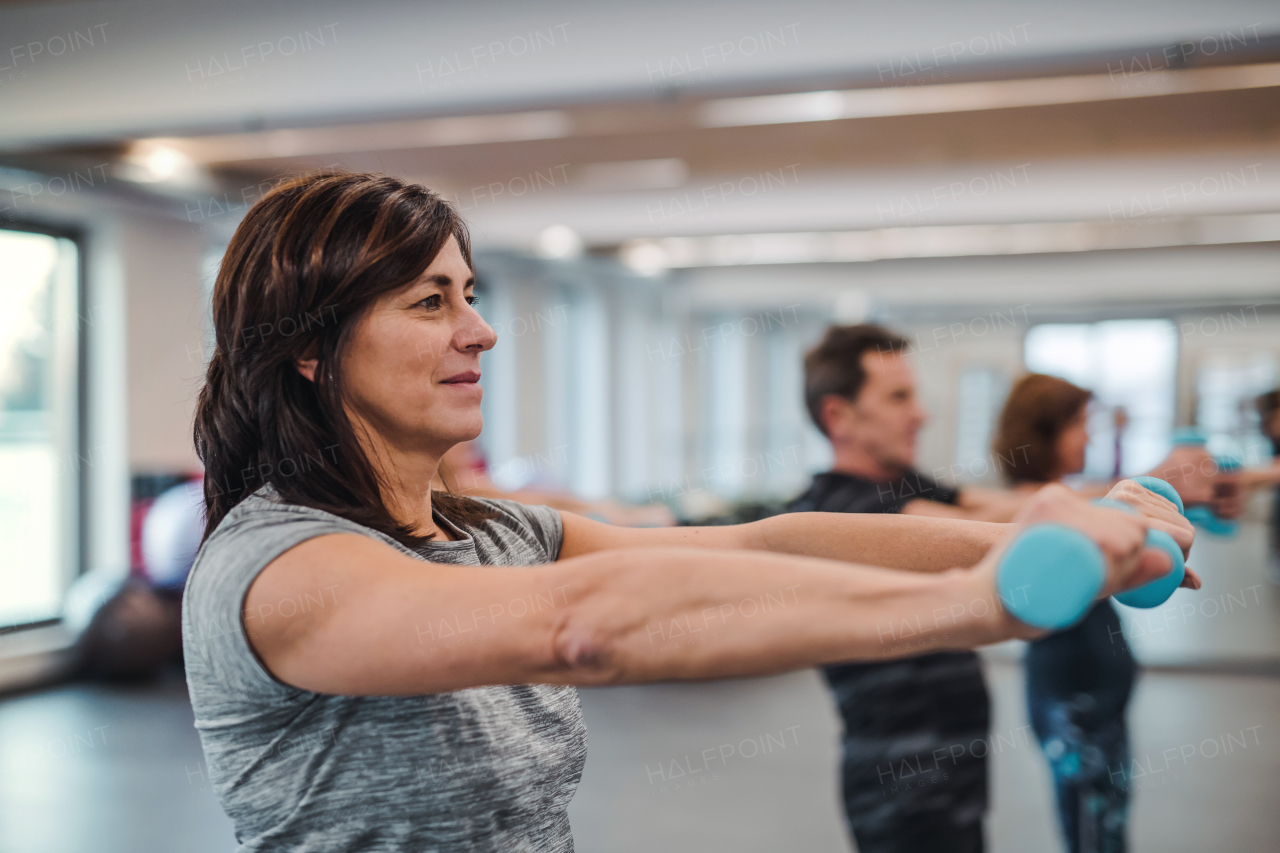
(1163, 489)
(1052, 574)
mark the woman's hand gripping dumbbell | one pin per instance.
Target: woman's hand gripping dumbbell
(1068, 553)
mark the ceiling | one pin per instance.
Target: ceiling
(922, 115)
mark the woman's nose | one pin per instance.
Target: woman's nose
(475, 333)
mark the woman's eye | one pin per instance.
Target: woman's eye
(432, 301)
(472, 300)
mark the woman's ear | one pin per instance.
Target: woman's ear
(307, 367)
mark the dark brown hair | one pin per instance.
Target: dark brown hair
(834, 366)
(1038, 409)
(307, 261)
(1268, 403)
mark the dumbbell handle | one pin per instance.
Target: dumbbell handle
(1051, 574)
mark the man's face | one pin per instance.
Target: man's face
(884, 419)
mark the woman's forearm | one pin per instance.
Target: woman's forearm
(691, 614)
(912, 543)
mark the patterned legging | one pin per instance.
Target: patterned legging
(1078, 685)
(1089, 775)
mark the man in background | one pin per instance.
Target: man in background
(914, 768)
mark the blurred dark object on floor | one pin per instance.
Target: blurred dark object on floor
(136, 630)
(133, 635)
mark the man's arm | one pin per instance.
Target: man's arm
(1253, 478)
(906, 542)
(975, 503)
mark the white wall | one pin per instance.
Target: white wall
(162, 269)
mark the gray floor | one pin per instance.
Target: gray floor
(113, 770)
(119, 770)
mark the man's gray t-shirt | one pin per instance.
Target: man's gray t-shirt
(487, 768)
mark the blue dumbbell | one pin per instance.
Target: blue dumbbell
(1052, 574)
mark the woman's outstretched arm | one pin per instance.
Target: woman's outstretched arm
(908, 542)
(397, 626)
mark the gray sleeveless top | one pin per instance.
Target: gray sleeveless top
(488, 768)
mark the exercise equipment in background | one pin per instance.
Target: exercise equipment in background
(129, 623)
(171, 534)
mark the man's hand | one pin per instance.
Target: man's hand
(1228, 495)
(1191, 471)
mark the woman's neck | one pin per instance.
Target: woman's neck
(406, 479)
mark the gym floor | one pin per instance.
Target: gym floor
(119, 769)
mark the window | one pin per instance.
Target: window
(1226, 386)
(40, 462)
(981, 393)
(1125, 363)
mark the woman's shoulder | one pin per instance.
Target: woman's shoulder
(265, 509)
(263, 526)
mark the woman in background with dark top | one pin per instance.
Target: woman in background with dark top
(1079, 680)
(1269, 410)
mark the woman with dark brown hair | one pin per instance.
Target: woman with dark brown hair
(375, 665)
(1078, 680)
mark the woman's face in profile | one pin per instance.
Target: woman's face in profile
(1072, 442)
(412, 370)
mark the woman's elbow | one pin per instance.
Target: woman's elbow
(590, 637)
(585, 652)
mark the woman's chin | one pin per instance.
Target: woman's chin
(466, 428)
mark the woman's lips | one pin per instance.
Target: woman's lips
(470, 381)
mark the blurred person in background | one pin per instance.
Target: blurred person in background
(1269, 410)
(861, 393)
(1079, 680)
(465, 471)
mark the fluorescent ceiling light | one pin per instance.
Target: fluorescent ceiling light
(645, 257)
(724, 112)
(990, 95)
(156, 162)
(663, 173)
(558, 241)
(944, 241)
(382, 136)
